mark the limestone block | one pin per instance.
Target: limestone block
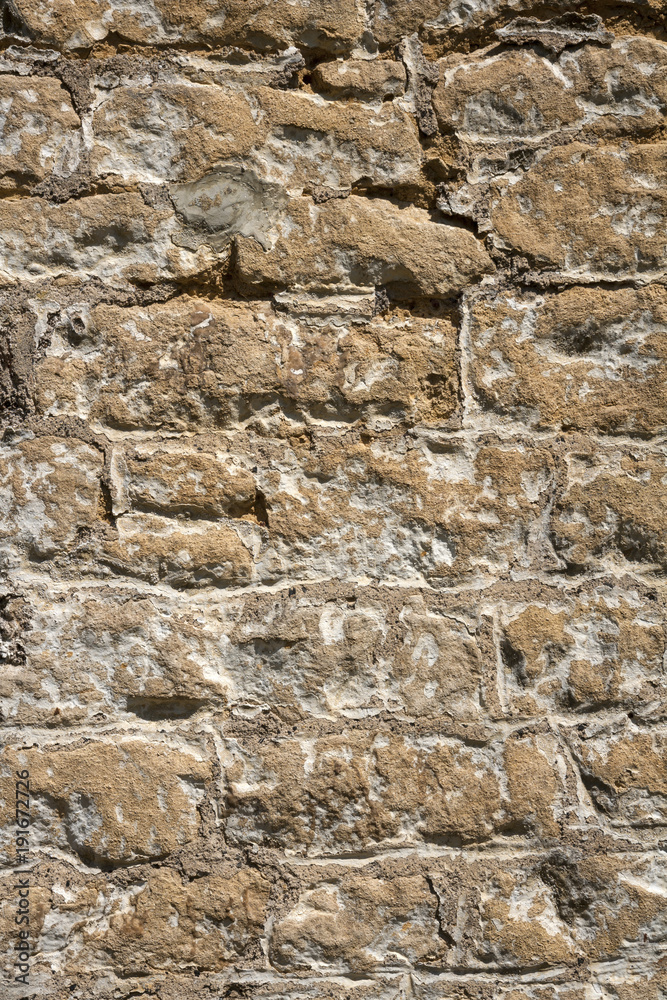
(365, 79)
(601, 646)
(592, 214)
(359, 924)
(355, 792)
(51, 497)
(319, 655)
(373, 243)
(195, 364)
(41, 132)
(609, 512)
(585, 359)
(622, 766)
(109, 801)
(156, 922)
(330, 26)
(116, 238)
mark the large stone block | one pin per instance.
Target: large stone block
(601, 645)
(364, 792)
(591, 214)
(525, 916)
(194, 364)
(41, 135)
(108, 801)
(609, 510)
(144, 655)
(157, 921)
(585, 359)
(298, 140)
(329, 26)
(51, 497)
(358, 241)
(115, 238)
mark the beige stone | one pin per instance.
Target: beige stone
(592, 214)
(192, 363)
(624, 771)
(289, 136)
(511, 97)
(331, 26)
(366, 79)
(376, 243)
(41, 132)
(603, 646)
(116, 238)
(349, 793)
(609, 512)
(157, 922)
(358, 924)
(110, 802)
(51, 497)
(139, 656)
(585, 359)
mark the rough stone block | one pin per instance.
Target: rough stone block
(584, 359)
(41, 133)
(355, 792)
(329, 26)
(591, 214)
(360, 242)
(109, 802)
(609, 510)
(195, 364)
(365, 79)
(600, 646)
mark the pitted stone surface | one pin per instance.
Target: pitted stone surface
(333, 618)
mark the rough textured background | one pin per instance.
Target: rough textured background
(333, 476)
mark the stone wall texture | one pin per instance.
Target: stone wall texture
(333, 478)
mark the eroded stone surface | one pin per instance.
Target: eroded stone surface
(332, 600)
(583, 359)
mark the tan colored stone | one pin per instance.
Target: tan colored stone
(137, 653)
(604, 646)
(609, 512)
(368, 80)
(623, 88)
(623, 767)
(173, 483)
(458, 23)
(349, 793)
(588, 359)
(311, 141)
(365, 242)
(157, 922)
(116, 238)
(51, 497)
(40, 134)
(192, 363)
(358, 924)
(288, 136)
(330, 26)
(515, 96)
(109, 801)
(170, 132)
(592, 214)
(181, 554)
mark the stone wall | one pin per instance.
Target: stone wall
(333, 476)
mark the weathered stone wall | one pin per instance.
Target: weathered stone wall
(334, 479)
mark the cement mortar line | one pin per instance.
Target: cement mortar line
(217, 595)
(498, 729)
(509, 432)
